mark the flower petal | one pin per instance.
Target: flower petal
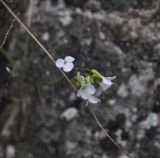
(107, 82)
(104, 86)
(79, 92)
(68, 67)
(82, 93)
(69, 59)
(93, 100)
(99, 91)
(59, 63)
(85, 95)
(111, 78)
(90, 89)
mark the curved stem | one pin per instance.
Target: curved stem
(107, 134)
(68, 80)
(36, 40)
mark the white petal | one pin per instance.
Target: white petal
(85, 95)
(82, 93)
(104, 86)
(99, 91)
(107, 82)
(68, 67)
(90, 89)
(79, 92)
(93, 100)
(59, 63)
(111, 78)
(69, 59)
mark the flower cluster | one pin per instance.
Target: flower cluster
(92, 82)
(92, 85)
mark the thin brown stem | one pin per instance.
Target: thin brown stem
(7, 33)
(36, 40)
(68, 80)
(107, 134)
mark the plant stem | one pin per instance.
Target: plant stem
(69, 81)
(36, 40)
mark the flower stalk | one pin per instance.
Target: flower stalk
(94, 77)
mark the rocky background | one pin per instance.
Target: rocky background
(117, 37)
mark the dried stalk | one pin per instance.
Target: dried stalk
(50, 56)
(7, 33)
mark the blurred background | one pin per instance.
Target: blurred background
(117, 37)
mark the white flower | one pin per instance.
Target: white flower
(107, 82)
(87, 92)
(66, 63)
(94, 100)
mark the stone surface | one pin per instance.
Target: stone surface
(69, 114)
(117, 37)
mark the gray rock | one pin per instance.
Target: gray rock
(93, 5)
(69, 114)
(123, 91)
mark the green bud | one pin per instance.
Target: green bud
(81, 79)
(89, 79)
(96, 73)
